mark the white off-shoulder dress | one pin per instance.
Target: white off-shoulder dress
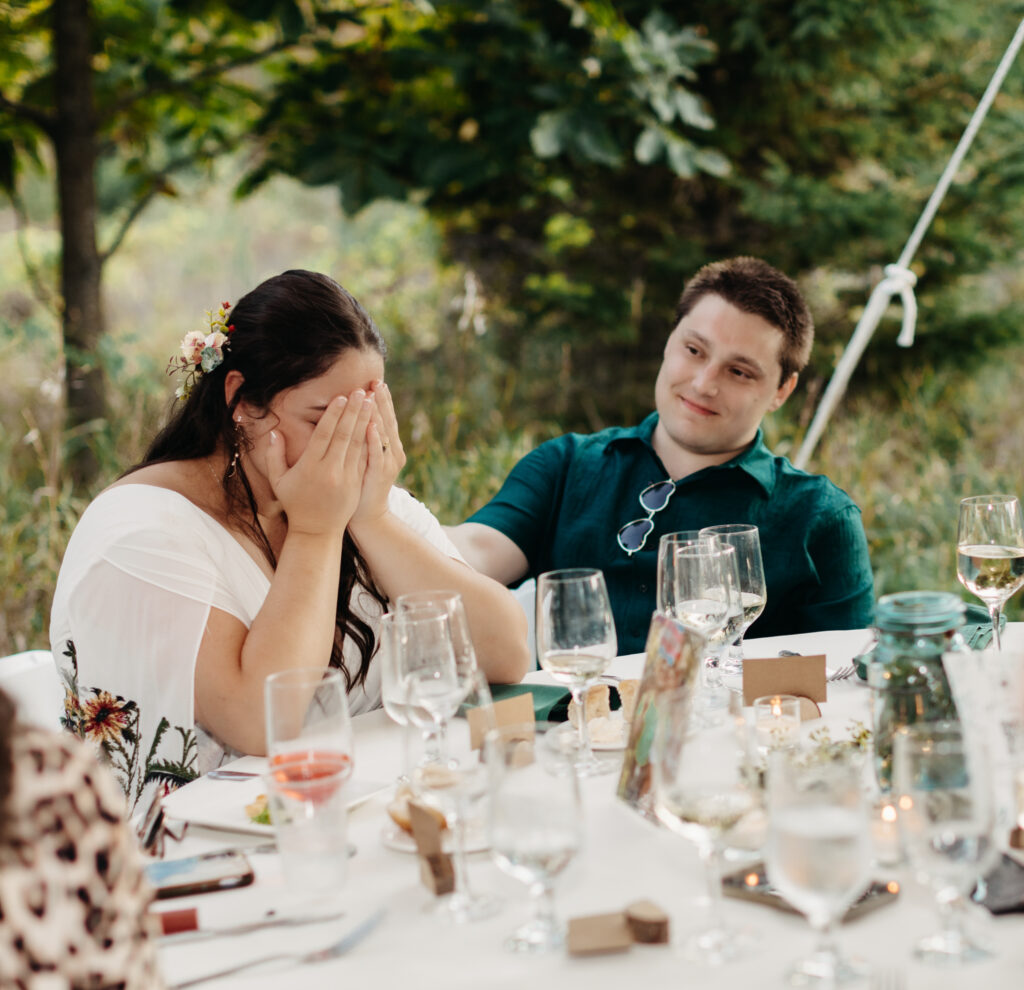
(142, 570)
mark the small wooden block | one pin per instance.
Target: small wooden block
(437, 873)
(648, 923)
(1017, 837)
(809, 710)
(596, 934)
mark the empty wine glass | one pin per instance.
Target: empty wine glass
(946, 815)
(990, 552)
(753, 594)
(422, 642)
(455, 787)
(818, 853)
(575, 643)
(535, 822)
(703, 786)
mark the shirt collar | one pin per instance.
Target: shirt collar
(757, 460)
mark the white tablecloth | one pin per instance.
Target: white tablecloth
(625, 859)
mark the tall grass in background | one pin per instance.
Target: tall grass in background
(906, 452)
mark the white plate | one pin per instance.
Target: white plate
(221, 803)
(394, 838)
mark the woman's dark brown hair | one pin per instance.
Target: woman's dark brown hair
(288, 330)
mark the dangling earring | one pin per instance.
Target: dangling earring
(236, 449)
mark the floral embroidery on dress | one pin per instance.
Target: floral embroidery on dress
(111, 724)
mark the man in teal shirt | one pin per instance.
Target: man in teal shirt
(741, 336)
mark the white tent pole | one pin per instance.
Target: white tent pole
(899, 279)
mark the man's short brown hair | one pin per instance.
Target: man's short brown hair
(754, 286)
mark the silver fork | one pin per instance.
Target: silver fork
(842, 673)
(347, 941)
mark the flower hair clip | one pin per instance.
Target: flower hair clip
(202, 352)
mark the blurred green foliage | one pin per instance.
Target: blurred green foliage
(528, 183)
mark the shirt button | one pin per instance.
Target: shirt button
(643, 588)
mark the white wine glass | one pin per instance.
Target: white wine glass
(947, 820)
(575, 643)
(535, 821)
(753, 593)
(990, 552)
(818, 853)
(703, 787)
(706, 599)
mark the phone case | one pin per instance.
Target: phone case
(751, 884)
(199, 874)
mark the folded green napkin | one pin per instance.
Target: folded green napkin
(977, 628)
(550, 702)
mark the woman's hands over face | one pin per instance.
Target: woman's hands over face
(322, 489)
(385, 458)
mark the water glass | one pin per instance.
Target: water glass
(818, 853)
(946, 817)
(309, 813)
(535, 823)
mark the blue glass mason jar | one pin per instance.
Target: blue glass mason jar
(907, 680)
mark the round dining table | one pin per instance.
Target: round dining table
(625, 858)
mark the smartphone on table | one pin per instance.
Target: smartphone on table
(199, 874)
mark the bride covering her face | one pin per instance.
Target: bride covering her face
(262, 531)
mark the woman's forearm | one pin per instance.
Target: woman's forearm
(403, 561)
(295, 627)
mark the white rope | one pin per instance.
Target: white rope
(899, 279)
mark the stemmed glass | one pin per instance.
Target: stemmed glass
(703, 595)
(535, 822)
(990, 551)
(753, 594)
(946, 815)
(421, 645)
(818, 853)
(668, 546)
(575, 643)
(443, 679)
(703, 786)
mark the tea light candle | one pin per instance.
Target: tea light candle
(777, 721)
(885, 833)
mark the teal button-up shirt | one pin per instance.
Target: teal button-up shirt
(564, 503)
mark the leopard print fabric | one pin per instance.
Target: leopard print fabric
(73, 895)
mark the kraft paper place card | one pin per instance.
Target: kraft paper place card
(510, 711)
(802, 676)
(436, 868)
(673, 654)
(599, 933)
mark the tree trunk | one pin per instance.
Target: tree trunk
(75, 148)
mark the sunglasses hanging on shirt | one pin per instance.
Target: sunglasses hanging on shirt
(653, 499)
